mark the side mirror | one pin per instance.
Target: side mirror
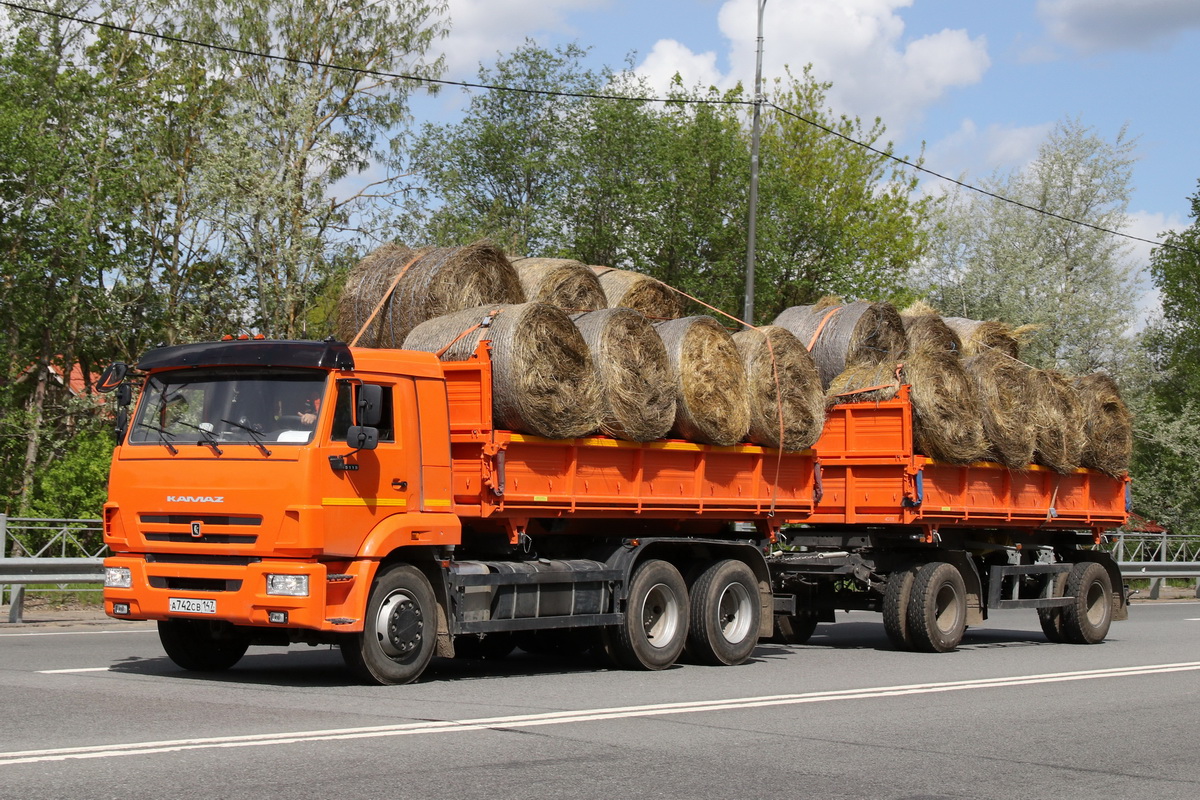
(362, 437)
(112, 376)
(124, 395)
(370, 405)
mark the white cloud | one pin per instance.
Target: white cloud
(982, 152)
(1097, 25)
(482, 28)
(858, 45)
(668, 57)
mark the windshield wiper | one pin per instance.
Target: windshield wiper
(258, 440)
(162, 435)
(209, 439)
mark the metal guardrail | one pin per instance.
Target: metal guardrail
(54, 551)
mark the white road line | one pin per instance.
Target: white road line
(69, 671)
(566, 717)
(79, 633)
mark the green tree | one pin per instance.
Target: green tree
(283, 178)
(501, 172)
(836, 218)
(1167, 448)
(1075, 283)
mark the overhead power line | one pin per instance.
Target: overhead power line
(588, 96)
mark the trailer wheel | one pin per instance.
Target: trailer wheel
(1086, 620)
(202, 646)
(725, 614)
(399, 632)
(1051, 619)
(656, 619)
(895, 608)
(937, 608)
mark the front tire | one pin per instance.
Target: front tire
(400, 630)
(202, 645)
(1087, 619)
(937, 608)
(725, 613)
(656, 619)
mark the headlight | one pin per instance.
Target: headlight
(287, 585)
(117, 578)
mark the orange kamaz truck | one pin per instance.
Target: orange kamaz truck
(274, 492)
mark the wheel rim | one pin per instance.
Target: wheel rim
(734, 612)
(1096, 602)
(660, 615)
(946, 610)
(399, 625)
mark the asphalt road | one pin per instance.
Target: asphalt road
(97, 711)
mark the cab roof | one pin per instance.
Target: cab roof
(251, 352)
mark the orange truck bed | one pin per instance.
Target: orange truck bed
(863, 470)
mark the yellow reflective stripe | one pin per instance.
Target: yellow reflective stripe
(438, 503)
(366, 502)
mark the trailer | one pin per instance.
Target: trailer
(272, 492)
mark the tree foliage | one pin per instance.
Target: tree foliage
(996, 260)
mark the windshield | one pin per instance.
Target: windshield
(210, 407)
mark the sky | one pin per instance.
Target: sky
(978, 83)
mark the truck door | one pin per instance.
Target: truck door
(363, 487)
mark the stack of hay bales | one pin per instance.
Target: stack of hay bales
(858, 336)
(618, 371)
(627, 289)
(787, 404)
(435, 281)
(561, 282)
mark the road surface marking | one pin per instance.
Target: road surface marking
(68, 671)
(567, 717)
(78, 633)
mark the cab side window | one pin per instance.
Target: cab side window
(343, 412)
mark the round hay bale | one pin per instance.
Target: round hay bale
(1058, 420)
(928, 331)
(979, 336)
(440, 281)
(865, 382)
(561, 282)
(1002, 387)
(712, 405)
(627, 289)
(860, 333)
(787, 404)
(637, 383)
(543, 379)
(1107, 424)
(947, 424)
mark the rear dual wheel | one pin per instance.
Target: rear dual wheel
(725, 614)
(655, 627)
(1087, 619)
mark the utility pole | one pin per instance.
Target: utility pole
(752, 212)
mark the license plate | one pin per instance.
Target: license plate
(189, 605)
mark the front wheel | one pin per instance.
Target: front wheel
(201, 645)
(725, 613)
(656, 619)
(400, 630)
(1086, 620)
(937, 608)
